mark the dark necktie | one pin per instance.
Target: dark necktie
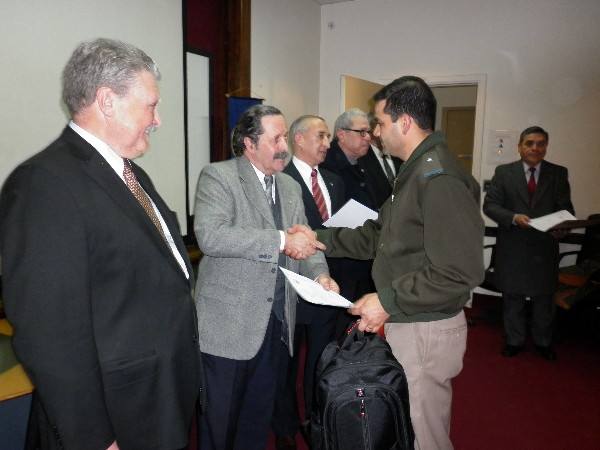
(142, 197)
(387, 168)
(269, 188)
(318, 195)
(531, 183)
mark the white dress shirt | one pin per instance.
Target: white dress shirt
(306, 174)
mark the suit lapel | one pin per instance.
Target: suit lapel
(170, 222)
(103, 174)
(284, 196)
(518, 177)
(253, 189)
(543, 181)
(336, 200)
(310, 206)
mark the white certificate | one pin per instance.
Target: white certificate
(551, 221)
(313, 292)
(351, 215)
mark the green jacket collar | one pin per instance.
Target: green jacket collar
(435, 138)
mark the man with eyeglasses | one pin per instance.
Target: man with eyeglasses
(348, 157)
(351, 142)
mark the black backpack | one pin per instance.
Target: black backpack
(361, 396)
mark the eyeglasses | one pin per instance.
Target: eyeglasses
(363, 133)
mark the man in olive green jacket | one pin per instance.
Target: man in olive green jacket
(427, 245)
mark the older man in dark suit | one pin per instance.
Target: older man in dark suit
(323, 195)
(526, 261)
(95, 274)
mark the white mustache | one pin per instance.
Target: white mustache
(151, 129)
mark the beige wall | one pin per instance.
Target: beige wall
(285, 51)
(541, 60)
(38, 38)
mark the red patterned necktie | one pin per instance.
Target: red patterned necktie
(142, 197)
(318, 195)
(531, 183)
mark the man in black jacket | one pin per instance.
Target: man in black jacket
(97, 280)
(323, 195)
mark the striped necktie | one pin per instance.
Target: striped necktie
(318, 195)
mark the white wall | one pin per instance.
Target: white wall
(38, 37)
(541, 58)
(285, 48)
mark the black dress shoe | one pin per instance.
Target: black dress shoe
(285, 443)
(546, 352)
(511, 350)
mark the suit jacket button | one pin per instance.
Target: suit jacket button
(270, 299)
(273, 270)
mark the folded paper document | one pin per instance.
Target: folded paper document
(313, 292)
(353, 214)
(560, 220)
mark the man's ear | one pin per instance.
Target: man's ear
(105, 98)
(249, 144)
(405, 121)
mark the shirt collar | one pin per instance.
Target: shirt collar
(111, 157)
(261, 177)
(304, 169)
(527, 166)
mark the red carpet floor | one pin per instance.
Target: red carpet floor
(522, 403)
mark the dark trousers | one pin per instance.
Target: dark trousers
(318, 324)
(240, 397)
(543, 308)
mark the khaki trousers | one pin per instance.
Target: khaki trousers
(431, 354)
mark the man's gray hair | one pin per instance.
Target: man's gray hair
(345, 119)
(102, 62)
(298, 126)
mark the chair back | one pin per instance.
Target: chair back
(590, 247)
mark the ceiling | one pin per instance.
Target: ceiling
(327, 2)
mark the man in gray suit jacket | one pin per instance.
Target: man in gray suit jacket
(526, 260)
(243, 208)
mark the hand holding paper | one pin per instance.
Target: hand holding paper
(353, 214)
(557, 220)
(313, 292)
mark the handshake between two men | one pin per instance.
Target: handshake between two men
(301, 243)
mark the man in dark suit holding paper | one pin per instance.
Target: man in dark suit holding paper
(309, 139)
(526, 261)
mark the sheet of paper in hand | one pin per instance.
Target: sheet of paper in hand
(313, 292)
(560, 220)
